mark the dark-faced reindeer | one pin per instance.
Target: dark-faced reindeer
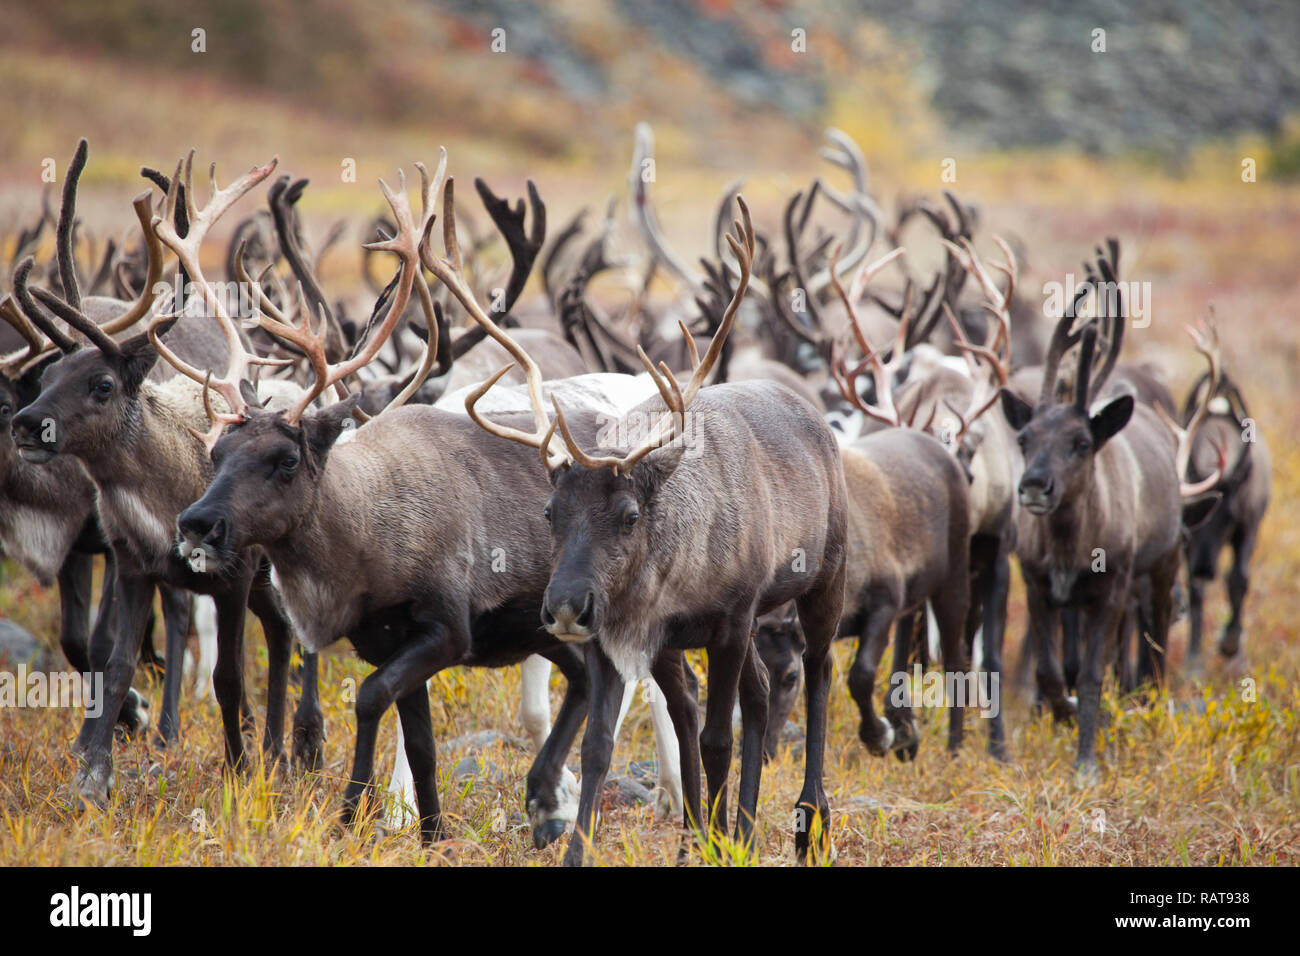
(139, 444)
(1225, 439)
(421, 539)
(656, 550)
(48, 515)
(1101, 505)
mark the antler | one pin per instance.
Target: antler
(644, 213)
(1207, 343)
(675, 397)
(187, 252)
(882, 372)
(10, 364)
(408, 241)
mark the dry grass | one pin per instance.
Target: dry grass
(1203, 776)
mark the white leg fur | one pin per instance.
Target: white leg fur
(535, 699)
(931, 634)
(668, 760)
(401, 788)
(205, 625)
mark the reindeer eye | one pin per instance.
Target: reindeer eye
(630, 519)
(546, 513)
(1081, 445)
(289, 464)
(102, 388)
(6, 408)
(1020, 440)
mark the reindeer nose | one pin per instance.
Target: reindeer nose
(1037, 482)
(560, 614)
(26, 424)
(194, 523)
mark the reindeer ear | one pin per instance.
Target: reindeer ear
(654, 469)
(322, 429)
(1016, 409)
(1107, 422)
(138, 356)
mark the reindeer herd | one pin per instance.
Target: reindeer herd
(454, 476)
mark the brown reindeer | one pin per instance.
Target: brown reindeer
(1224, 439)
(49, 520)
(1100, 506)
(953, 408)
(655, 550)
(137, 441)
(400, 539)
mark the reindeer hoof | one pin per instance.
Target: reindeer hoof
(93, 784)
(309, 747)
(877, 735)
(1230, 642)
(1086, 773)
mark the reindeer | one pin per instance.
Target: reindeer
(937, 397)
(416, 496)
(49, 522)
(138, 444)
(908, 545)
(1225, 425)
(655, 550)
(1101, 505)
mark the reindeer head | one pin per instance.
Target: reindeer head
(780, 644)
(87, 400)
(269, 464)
(602, 509)
(1060, 441)
(268, 470)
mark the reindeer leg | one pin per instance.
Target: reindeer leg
(422, 756)
(308, 721)
(819, 616)
(1099, 627)
(597, 747)
(876, 732)
(279, 650)
(950, 610)
(1243, 548)
(998, 585)
(176, 626)
(726, 661)
(1070, 647)
(1043, 625)
(100, 647)
(1196, 619)
(753, 713)
(425, 649)
(228, 677)
(94, 780)
(550, 791)
(74, 580)
(670, 673)
(1155, 611)
(906, 741)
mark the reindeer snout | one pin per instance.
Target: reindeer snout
(569, 615)
(34, 434)
(1036, 489)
